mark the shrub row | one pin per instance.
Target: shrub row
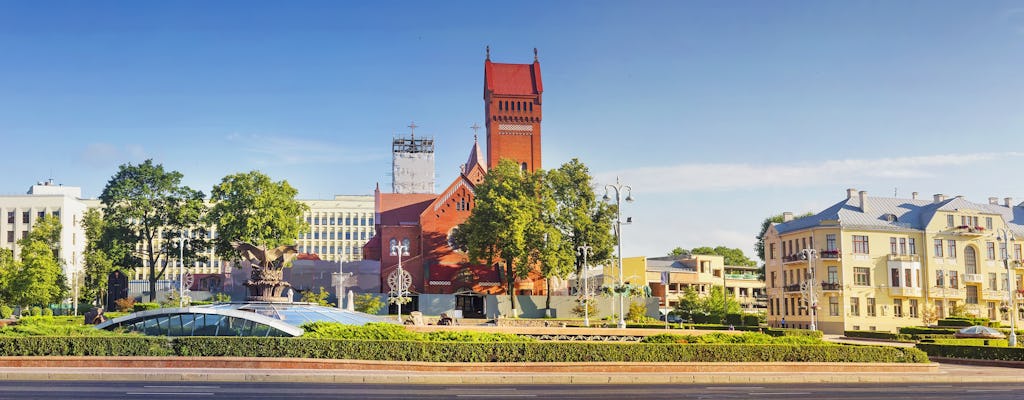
(917, 330)
(973, 352)
(83, 346)
(538, 351)
(448, 351)
(878, 335)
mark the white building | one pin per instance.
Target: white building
(18, 213)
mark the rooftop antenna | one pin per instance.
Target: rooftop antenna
(896, 192)
(475, 128)
(488, 52)
(412, 129)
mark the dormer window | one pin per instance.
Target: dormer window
(890, 217)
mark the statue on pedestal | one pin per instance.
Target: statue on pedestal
(266, 282)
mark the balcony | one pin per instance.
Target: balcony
(831, 286)
(904, 257)
(829, 254)
(792, 288)
(792, 258)
(905, 292)
(749, 277)
(969, 231)
(973, 278)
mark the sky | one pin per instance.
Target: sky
(717, 114)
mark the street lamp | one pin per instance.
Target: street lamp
(182, 279)
(1011, 281)
(809, 289)
(617, 188)
(585, 250)
(338, 279)
(399, 280)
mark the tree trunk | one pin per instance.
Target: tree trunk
(511, 284)
(152, 288)
(547, 301)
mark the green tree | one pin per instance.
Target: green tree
(732, 256)
(499, 226)
(678, 251)
(688, 303)
(102, 247)
(716, 304)
(39, 280)
(46, 230)
(140, 201)
(367, 303)
(774, 219)
(318, 298)
(251, 208)
(8, 271)
(580, 219)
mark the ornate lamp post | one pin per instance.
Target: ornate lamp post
(810, 288)
(399, 280)
(585, 250)
(184, 277)
(338, 280)
(617, 188)
(1011, 281)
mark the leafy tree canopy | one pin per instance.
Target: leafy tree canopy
(250, 207)
(759, 245)
(732, 256)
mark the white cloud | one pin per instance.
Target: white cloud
(710, 176)
(269, 150)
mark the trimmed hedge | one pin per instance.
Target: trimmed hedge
(878, 335)
(537, 352)
(917, 330)
(145, 306)
(84, 346)
(794, 332)
(973, 352)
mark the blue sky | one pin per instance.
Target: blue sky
(717, 113)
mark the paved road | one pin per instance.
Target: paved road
(266, 391)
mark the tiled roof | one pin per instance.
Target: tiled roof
(522, 79)
(396, 208)
(910, 214)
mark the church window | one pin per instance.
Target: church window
(531, 107)
(524, 166)
(391, 245)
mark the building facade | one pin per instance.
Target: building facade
(884, 263)
(18, 214)
(669, 277)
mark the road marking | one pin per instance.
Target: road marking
(168, 393)
(734, 387)
(494, 389)
(986, 390)
(179, 387)
(495, 395)
(778, 393)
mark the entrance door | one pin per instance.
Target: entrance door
(472, 305)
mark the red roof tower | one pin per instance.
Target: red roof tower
(512, 106)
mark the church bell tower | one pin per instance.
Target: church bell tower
(512, 106)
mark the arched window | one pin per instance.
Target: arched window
(524, 166)
(405, 246)
(391, 245)
(531, 106)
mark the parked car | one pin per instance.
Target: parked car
(672, 318)
(978, 331)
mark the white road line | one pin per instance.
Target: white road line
(986, 390)
(169, 393)
(733, 387)
(496, 395)
(477, 389)
(180, 387)
(777, 393)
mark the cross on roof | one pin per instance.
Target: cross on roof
(412, 128)
(475, 128)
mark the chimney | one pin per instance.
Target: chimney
(993, 200)
(863, 201)
(1008, 202)
(787, 216)
(850, 193)
(913, 196)
(939, 198)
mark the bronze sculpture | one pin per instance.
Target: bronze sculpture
(266, 282)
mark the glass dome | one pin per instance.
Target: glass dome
(236, 319)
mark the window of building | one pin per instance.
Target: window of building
(771, 251)
(954, 281)
(10, 236)
(949, 220)
(895, 277)
(1002, 251)
(907, 278)
(871, 307)
(939, 311)
(41, 214)
(833, 306)
(992, 311)
(830, 242)
(1016, 252)
(892, 246)
(992, 280)
(10, 217)
(897, 307)
(861, 276)
(951, 248)
(913, 246)
(913, 308)
(938, 248)
(24, 217)
(362, 235)
(772, 281)
(833, 274)
(940, 279)
(860, 244)
(855, 306)
(990, 250)
(903, 246)
(348, 235)
(988, 223)
(972, 294)
(1003, 281)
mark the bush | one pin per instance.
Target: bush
(751, 320)
(638, 313)
(475, 337)
(136, 307)
(734, 319)
(973, 352)
(5, 312)
(371, 331)
(663, 338)
(879, 335)
(916, 330)
(793, 332)
(35, 311)
(53, 326)
(125, 305)
(535, 351)
(591, 309)
(47, 312)
(119, 345)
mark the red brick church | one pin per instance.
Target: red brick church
(424, 221)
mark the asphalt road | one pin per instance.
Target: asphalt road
(163, 390)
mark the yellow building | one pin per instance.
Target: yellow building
(669, 277)
(883, 263)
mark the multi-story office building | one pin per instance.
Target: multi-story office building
(18, 213)
(670, 276)
(881, 263)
